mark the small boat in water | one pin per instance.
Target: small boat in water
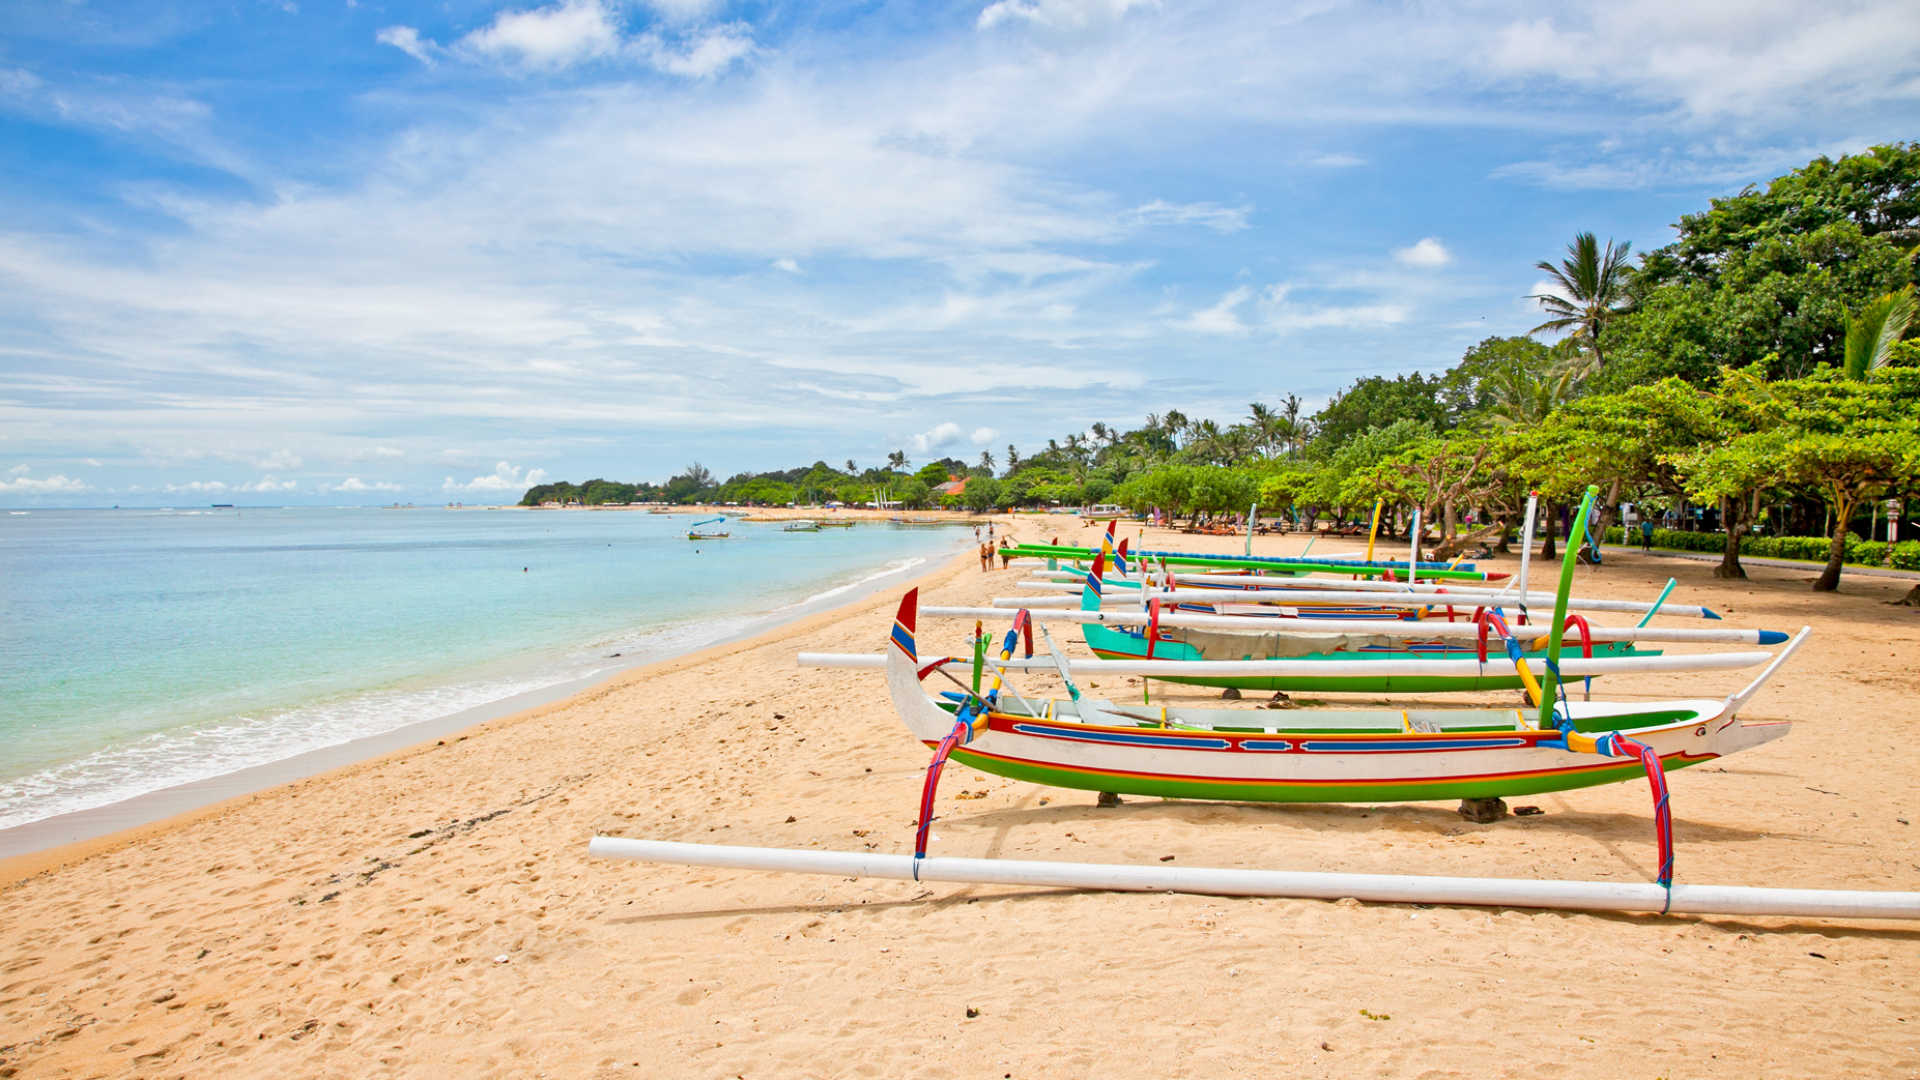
(694, 533)
(801, 526)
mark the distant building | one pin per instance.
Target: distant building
(955, 485)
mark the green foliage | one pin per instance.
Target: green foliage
(1378, 402)
(1858, 552)
(1590, 292)
(1872, 334)
(1906, 555)
(911, 492)
(1467, 388)
(1774, 273)
(982, 493)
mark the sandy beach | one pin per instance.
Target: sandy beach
(433, 912)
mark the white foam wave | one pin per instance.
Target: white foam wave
(896, 567)
(170, 758)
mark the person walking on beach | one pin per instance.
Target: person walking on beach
(1004, 557)
(986, 557)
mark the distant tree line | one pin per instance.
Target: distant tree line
(1753, 375)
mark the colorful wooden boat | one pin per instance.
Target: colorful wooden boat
(1318, 755)
(1171, 641)
(694, 533)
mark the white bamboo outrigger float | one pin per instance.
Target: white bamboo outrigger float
(1578, 667)
(1253, 590)
(1415, 630)
(1313, 885)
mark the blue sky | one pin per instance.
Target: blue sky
(358, 251)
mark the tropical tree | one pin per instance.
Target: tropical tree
(1521, 394)
(1269, 428)
(897, 460)
(1294, 432)
(1840, 440)
(1592, 289)
(982, 493)
(986, 461)
(1872, 334)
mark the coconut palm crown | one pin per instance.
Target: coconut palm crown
(1872, 334)
(1592, 286)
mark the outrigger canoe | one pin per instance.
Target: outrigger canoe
(1317, 755)
(1183, 642)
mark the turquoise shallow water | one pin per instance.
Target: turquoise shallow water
(141, 649)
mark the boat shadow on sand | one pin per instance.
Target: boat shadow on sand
(1360, 819)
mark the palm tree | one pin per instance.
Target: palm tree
(852, 469)
(897, 460)
(1266, 428)
(1295, 431)
(1174, 423)
(1872, 334)
(1593, 289)
(1013, 459)
(986, 461)
(1523, 395)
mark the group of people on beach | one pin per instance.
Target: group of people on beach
(987, 549)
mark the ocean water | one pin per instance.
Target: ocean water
(142, 649)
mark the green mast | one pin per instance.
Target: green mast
(1550, 684)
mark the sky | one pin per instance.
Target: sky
(366, 251)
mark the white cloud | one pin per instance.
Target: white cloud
(1282, 315)
(408, 40)
(279, 461)
(1426, 253)
(1223, 317)
(1337, 161)
(198, 487)
(18, 81)
(1542, 287)
(981, 436)
(354, 485)
(505, 477)
(23, 484)
(269, 484)
(548, 38)
(789, 265)
(1060, 14)
(702, 57)
(571, 32)
(1221, 219)
(943, 434)
(1720, 58)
